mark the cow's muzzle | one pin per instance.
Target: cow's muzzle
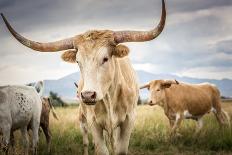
(151, 103)
(89, 97)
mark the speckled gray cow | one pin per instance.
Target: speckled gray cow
(20, 106)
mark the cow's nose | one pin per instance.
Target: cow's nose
(88, 95)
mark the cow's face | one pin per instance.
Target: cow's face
(95, 54)
(157, 90)
(157, 94)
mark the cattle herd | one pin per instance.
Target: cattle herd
(108, 90)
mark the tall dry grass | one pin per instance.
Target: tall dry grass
(150, 135)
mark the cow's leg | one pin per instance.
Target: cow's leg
(171, 122)
(179, 118)
(84, 131)
(12, 142)
(222, 118)
(25, 140)
(6, 131)
(99, 143)
(199, 125)
(35, 136)
(48, 136)
(227, 117)
(123, 136)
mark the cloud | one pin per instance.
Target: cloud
(15, 74)
(224, 46)
(148, 67)
(197, 36)
(207, 72)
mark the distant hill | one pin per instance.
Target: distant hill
(66, 89)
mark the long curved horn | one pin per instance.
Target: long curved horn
(147, 85)
(140, 36)
(76, 84)
(42, 47)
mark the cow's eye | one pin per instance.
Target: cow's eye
(158, 90)
(77, 61)
(105, 60)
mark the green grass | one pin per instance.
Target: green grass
(150, 135)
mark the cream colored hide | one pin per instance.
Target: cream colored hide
(186, 101)
(107, 71)
(20, 106)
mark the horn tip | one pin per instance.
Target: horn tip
(2, 15)
(76, 84)
(177, 82)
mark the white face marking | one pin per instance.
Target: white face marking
(96, 75)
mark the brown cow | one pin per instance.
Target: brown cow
(186, 101)
(44, 119)
(108, 85)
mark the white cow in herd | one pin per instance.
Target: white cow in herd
(20, 107)
(108, 87)
(186, 101)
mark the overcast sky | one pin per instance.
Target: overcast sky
(196, 42)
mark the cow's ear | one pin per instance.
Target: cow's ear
(121, 51)
(69, 56)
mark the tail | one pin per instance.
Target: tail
(225, 115)
(53, 110)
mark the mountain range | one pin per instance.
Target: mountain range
(66, 89)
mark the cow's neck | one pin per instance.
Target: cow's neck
(113, 103)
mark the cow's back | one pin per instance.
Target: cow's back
(196, 98)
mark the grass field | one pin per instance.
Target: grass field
(149, 137)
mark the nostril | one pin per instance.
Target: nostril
(93, 96)
(150, 102)
(89, 95)
(82, 96)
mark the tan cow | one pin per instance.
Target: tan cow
(108, 87)
(186, 101)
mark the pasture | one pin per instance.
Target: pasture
(150, 135)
